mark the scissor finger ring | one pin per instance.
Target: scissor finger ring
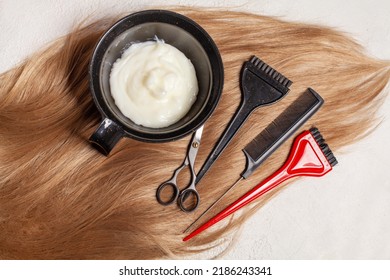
(160, 193)
(188, 200)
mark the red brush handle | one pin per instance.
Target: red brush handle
(305, 159)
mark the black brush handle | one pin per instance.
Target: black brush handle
(239, 118)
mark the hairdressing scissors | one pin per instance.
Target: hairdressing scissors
(190, 191)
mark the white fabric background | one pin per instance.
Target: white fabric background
(344, 215)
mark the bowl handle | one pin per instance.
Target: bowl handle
(106, 136)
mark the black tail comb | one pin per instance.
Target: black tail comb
(281, 129)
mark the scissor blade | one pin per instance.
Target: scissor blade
(198, 134)
(194, 147)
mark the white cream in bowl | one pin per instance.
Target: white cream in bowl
(153, 84)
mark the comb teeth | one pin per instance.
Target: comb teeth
(324, 147)
(261, 65)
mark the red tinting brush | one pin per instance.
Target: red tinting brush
(309, 156)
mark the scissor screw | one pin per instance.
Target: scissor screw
(195, 144)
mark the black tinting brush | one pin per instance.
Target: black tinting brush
(260, 85)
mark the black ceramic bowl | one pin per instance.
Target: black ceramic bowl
(176, 30)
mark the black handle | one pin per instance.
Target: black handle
(239, 118)
(106, 136)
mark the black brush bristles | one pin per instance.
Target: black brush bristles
(271, 72)
(324, 147)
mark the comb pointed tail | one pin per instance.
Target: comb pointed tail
(256, 192)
